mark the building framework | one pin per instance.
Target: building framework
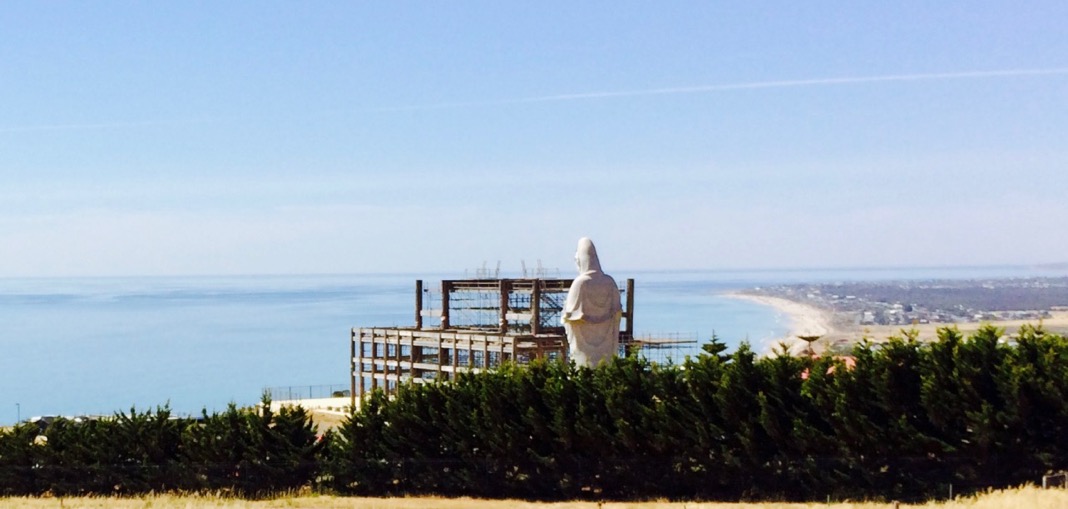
(478, 325)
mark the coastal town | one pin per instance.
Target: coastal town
(938, 301)
(846, 311)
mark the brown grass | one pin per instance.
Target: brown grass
(325, 420)
(1028, 497)
(1057, 324)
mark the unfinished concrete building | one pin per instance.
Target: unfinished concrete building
(472, 325)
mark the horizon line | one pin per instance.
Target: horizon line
(847, 268)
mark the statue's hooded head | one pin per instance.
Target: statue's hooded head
(586, 257)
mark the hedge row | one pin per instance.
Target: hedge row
(240, 451)
(903, 420)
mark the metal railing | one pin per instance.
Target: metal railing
(301, 392)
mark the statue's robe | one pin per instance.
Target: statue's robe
(592, 311)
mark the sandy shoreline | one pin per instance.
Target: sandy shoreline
(804, 320)
(808, 320)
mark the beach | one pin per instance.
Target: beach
(804, 320)
(838, 332)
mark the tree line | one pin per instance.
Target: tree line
(245, 452)
(902, 419)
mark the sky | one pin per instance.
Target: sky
(265, 137)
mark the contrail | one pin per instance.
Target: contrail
(803, 83)
(753, 85)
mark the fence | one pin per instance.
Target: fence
(300, 392)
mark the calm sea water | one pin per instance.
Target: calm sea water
(98, 345)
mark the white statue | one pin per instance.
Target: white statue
(592, 311)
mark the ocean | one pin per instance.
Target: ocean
(90, 346)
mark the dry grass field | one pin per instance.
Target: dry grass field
(1057, 323)
(1028, 497)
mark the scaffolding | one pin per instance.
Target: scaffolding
(480, 324)
(506, 306)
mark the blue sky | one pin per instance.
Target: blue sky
(144, 138)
